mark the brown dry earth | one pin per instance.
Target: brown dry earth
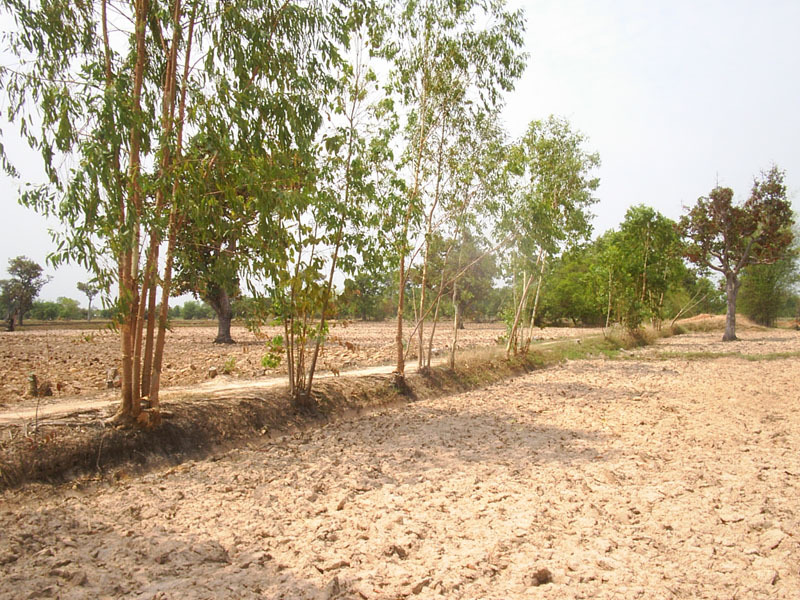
(645, 477)
(76, 362)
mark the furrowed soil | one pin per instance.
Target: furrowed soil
(669, 472)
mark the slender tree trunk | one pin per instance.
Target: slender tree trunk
(335, 258)
(426, 257)
(149, 344)
(433, 332)
(731, 291)
(513, 334)
(174, 220)
(140, 374)
(535, 305)
(400, 369)
(438, 303)
(323, 316)
(166, 287)
(289, 358)
(421, 323)
(129, 296)
(456, 324)
(646, 254)
(693, 301)
(126, 409)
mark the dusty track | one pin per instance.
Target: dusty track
(649, 477)
(220, 386)
(60, 356)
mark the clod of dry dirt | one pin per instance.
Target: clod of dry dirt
(649, 477)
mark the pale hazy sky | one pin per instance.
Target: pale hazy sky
(674, 95)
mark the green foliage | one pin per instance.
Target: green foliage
(766, 290)
(727, 238)
(450, 63)
(66, 309)
(645, 261)
(555, 189)
(18, 293)
(90, 289)
(193, 310)
(628, 275)
(113, 95)
(478, 268)
(229, 366)
(367, 296)
(576, 287)
(271, 359)
(69, 309)
(44, 310)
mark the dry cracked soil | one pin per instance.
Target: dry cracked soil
(668, 472)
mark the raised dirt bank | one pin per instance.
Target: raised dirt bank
(81, 442)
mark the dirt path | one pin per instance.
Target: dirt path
(220, 386)
(76, 362)
(659, 476)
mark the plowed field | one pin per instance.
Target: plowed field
(76, 362)
(670, 472)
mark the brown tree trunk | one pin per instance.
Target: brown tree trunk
(433, 332)
(400, 367)
(326, 300)
(218, 299)
(421, 323)
(140, 374)
(166, 283)
(147, 366)
(129, 258)
(166, 286)
(731, 291)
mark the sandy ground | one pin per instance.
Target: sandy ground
(653, 476)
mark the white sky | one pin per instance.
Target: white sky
(674, 95)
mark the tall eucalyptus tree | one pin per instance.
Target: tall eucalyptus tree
(108, 90)
(550, 207)
(449, 62)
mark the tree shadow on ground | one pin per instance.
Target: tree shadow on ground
(434, 437)
(62, 552)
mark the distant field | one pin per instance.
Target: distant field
(75, 356)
